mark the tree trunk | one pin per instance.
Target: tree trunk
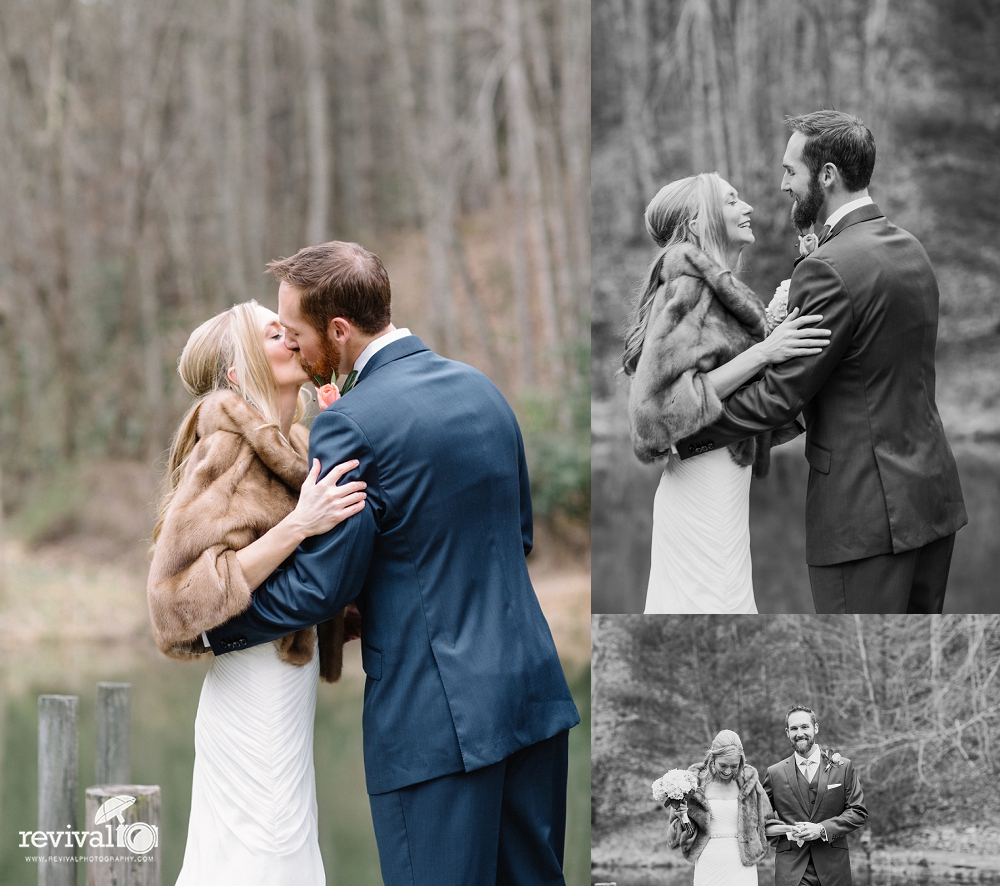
(318, 192)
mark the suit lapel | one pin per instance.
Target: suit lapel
(792, 774)
(861, 214)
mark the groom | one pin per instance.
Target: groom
(817, 795)
(466, 708)
(884, 500)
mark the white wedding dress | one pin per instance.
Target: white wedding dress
(700, 559)
(719, 863)
(253, 797)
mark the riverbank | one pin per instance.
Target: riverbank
(953, 853)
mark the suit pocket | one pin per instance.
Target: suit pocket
(371, 661)
(818, 458)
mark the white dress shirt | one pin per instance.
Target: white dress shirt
(846, 208)
(806, 764)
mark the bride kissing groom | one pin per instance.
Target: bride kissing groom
(466, 711)
(884, 500)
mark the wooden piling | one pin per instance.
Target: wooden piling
(113, 764)
(58, 784)
(129, 831)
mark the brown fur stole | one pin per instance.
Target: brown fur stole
(700, 318)
(240, 479)
(752, 812)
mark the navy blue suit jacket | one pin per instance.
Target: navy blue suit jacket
(461, 668)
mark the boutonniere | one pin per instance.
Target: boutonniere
(326, 394)
(832, 758)
(808, 244)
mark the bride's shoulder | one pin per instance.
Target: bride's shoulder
(225, 410)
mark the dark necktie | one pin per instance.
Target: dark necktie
(823, 235)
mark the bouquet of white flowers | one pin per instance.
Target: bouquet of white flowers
(673, 787)
(777, 310)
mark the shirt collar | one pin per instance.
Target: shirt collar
(846, 208)
(814, 756)
(376, 345)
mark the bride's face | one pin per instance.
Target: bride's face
(727, 766)
(285, 364)
(736, 214)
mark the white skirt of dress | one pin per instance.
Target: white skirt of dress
(700, 558)
(253, 798)
(719, 863)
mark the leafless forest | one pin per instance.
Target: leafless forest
(689, 86)
(157, 154)
(913, 702)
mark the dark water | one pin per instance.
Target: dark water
(765, 877)
(164, 700)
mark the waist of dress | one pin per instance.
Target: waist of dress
(721, 836)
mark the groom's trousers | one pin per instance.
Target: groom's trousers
(912, 582)
(502, 824)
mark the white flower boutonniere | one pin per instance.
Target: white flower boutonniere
(832, 758)
(808, 244)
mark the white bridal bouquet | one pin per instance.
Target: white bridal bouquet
(673, 787)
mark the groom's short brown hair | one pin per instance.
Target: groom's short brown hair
(338, 279)
(838, 138)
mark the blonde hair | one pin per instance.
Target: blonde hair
(668, 220)
(230, 340)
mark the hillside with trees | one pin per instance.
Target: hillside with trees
(157, 154)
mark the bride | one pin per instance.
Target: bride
(696, 335)
(232, 513)
(721, 827)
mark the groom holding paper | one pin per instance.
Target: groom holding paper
(818, 799)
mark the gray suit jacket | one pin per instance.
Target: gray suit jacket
(882, 477)
(839, 807)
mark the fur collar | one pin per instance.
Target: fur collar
(685, 260)
(227, 411)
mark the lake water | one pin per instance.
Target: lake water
(164, 701)
(765, 877)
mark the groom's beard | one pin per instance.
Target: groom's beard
(803, 748)
(327, 365)
(804, 211)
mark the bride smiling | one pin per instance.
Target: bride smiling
(697, 334)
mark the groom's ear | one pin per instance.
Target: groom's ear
(829, 176)
(338, 330)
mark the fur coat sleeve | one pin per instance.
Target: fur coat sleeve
(701, 317)
(753, 811)
(240, 479)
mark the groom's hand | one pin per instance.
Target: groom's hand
(807, 830)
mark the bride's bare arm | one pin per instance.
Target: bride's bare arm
(321, 506)
(794, 337)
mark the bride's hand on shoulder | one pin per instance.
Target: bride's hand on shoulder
(323, 504)
(795, 336)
